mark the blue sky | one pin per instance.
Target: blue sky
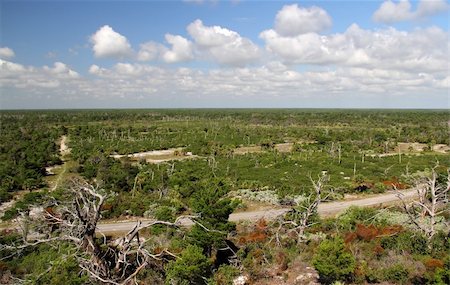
(153, 54)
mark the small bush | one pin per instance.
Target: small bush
(355, 215)
(333, 262)
(442, 275)
(191, 268)
(431, 264)
(440, 245)
(396, 273)
(366, 233)
(406, 241)
(224, 275)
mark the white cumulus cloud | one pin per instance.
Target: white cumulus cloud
(293, 20)
(181, 50)
(108, 43)
(428, 8)
(222, 45)
(414, 51)
(61, 70)
(392, 12)
(6, 53)
(150, 51)
(34, 79)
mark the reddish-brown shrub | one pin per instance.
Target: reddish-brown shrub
(390, 230)
(360, 271)
(349, 237)
(378, 250)
(256, 236)
(394, 183)
(259, 234)
(50, 211)
(261, 225)
(281, 261)
(3, 266)
(366, 233)
(432, 264)
(106, 207)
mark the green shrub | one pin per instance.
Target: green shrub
(29, 199)
(333, 262)
(379, 188)
(224, 275)
(165, 213)
(191, 268)
(4, 195)
(355, 215)
(413, 243)
(396, 273)
(441, 275)
(51, 266)
(440, 245)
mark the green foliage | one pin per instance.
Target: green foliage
(407, 241)
(191, 268)
(254, 258)
(397, 273)
(224, 275)
(200, 186)
(49, 265)
(379, 188)
(4, 195)
(214, 210)
(442, 275)
(27, 146)
(355, 215)
(333, 262)
(440, 245)
(165, 213)
(29, 199)
(126, 203)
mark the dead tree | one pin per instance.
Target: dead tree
(298, 219)
(431, 201)
(76, 222)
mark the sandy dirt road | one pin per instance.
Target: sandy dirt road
(325, 209)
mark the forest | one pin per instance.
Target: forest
(183, 172)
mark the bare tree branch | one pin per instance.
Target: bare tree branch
(298, 219)
(431, 201)
(76, 222)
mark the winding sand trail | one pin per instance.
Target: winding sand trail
(325, 209)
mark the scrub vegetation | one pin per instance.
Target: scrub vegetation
(222, 161)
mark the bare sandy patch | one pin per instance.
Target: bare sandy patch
(410, 147)
(158, 156)
(248, 149)
(284, 147)
(443, 148)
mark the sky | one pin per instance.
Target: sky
(224, 54)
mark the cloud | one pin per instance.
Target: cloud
(181, 50)
(418, 50)
(140, 84)
(300, 63)
(392, 12)
(35, 79)
(293, 20)
(108, 43)
(271, 80)
(61, 70)
(428, 8)
(222, 45)
(150, 51)
(6, 53)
